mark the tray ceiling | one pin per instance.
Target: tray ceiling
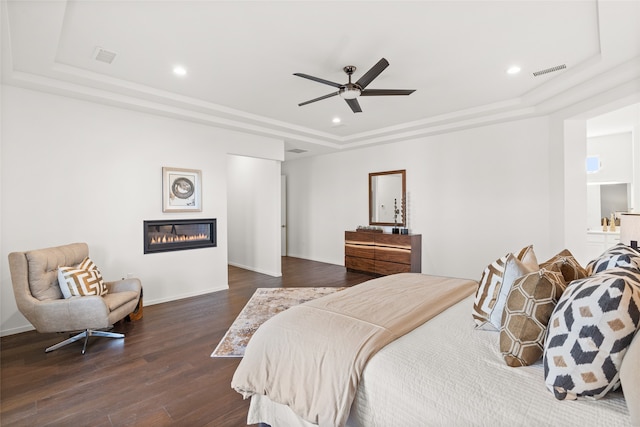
(240, 57)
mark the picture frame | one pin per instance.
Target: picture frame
(181, 190)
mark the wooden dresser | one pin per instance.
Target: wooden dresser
(382, 253)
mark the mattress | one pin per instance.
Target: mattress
(445, 372)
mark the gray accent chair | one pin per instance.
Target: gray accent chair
(34, 275)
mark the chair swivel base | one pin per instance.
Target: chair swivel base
(84, 334)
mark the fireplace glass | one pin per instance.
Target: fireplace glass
(179, 234)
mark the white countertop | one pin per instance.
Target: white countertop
(596, 231)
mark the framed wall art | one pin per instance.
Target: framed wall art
(181, 190)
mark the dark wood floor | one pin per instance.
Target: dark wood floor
(160, 375)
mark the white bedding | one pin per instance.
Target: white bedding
(445, 372)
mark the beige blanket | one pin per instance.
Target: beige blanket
(311, 356)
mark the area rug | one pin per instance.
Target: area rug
(264, 304)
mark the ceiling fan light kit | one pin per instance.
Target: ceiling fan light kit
(351, 91)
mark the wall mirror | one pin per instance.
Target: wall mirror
(386, 198)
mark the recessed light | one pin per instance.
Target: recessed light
(179, 70)
(514, 69)
(336, 120)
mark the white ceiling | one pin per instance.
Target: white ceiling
(241, 56)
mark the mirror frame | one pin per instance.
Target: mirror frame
(373, 175)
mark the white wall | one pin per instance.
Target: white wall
(254, 214)
(474, 195)
(615, 153)
(79, 171)
(575, 189)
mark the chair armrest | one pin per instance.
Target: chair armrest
(132, 284)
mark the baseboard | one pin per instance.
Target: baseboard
(147, 302)
(257, 270)
(326, 261)
(17, 330)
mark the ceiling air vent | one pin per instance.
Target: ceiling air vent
(104, 55)
(297, 150)
(550, 70)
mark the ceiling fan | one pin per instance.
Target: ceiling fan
(351, 91)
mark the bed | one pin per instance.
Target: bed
(445, 371)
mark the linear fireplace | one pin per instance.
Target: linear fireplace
(179, 234)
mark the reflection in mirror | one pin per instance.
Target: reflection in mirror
(614, 198)
(386, 198)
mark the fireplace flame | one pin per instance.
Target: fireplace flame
(177, 239)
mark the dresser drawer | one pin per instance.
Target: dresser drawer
(358, 237)
(359, 264)
(385, 268)
(396, 240)
(362, 251)
(393, 254)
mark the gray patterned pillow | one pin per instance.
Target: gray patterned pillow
(619, 255)
(589, 333)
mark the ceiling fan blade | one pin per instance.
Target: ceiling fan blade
(318, 79)
(372, 73)
(384, 92)
(354, 104)
(319, 99)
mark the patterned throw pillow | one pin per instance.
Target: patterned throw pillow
(619, 255)
(565, 263)
(526, 314)
(495, 283)
(589, 333)
(82, 280)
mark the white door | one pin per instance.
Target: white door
(283, 215)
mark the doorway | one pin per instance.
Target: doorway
(253, 214)
(283, 215)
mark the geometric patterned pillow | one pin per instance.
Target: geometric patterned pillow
(619, 255)
(526, 314)
(488, 288)
(513, 270)
(497, 278)
(589, 333)
(82, 280)
(87, 264)
(565, 263)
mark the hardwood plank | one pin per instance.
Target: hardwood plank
(160, 375)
